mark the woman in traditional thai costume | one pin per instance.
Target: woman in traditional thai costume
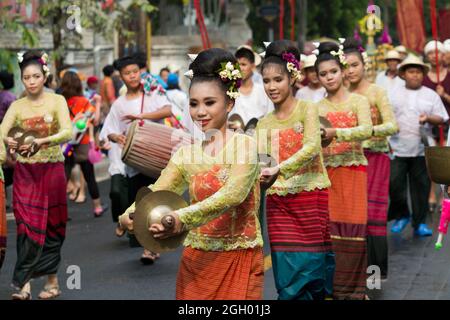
(39, 197)
(375, 150)
(297, 203)
(223, 256)
(349, 115)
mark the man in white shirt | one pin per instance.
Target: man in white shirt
(314, 91)
(389, 79)
(124, 110)
(253, 101)
(416, 108)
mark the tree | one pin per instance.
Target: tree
(67, 19)
(13, 22)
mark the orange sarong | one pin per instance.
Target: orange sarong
(348, 220)
(221, 275)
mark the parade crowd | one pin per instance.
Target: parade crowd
(348, 153)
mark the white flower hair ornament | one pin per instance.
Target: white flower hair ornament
(20, 56)
(189, 74)
(367, 61)
(340, 53)
(231, 74)
(316, 50)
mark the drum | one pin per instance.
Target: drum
(149, 146)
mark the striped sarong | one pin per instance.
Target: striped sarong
(221, 275)
(40, 209)
(348, 215)
(378, 173)
(299, 234)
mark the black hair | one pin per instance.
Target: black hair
(245, 53)
(275, 51)
(164, 69)
(31, 57)
(351, 46)
(49, 81)
(141, 59)
(108, 70)
(207, 65)
(7, 80)
(325, 50)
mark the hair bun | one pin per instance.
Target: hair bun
(351, 44)
(327, 47)
(208, 62)
(278, 47)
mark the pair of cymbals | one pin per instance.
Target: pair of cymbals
(25, 137)
(155, 207)
(325, 124)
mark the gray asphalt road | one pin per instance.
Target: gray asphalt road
(110, 269)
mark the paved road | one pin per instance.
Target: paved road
(110, 269)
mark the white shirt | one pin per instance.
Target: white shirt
(388, 83)
(255, 105)
(177, 98)
(313, 95)
(114, 123)
(408, 105)
(257, 77)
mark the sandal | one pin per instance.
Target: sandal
(119, 231)
(74, 194)
(49, 292)
(80, 199)
(147, 258)
(21, 295)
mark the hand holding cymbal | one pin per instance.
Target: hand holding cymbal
(170, 226)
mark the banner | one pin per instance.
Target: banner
(410, 24)
(444, 24)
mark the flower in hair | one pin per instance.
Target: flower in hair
(189, 74)
(367, 61)
(231, 74)
(341, 56)
(20, 56)
(46, 70)
(292, 65)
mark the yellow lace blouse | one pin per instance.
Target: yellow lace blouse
(224, 192)
(51, 119)
(354, 125)
(296, 146)
(383, 119)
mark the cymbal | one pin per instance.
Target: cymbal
(237, 121)
(251, 125)
(28, 137)
(438, 164)
(266, 160)
(153, 208)
(324, 124)
(16, 133)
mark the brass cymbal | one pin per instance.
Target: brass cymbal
(324, 124)
(16, 133)
(152, 208)
(438, 164)
(251, 125)
(237, 121)
(266, 160)
(28, 138)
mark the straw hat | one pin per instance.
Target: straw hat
(392, 55)
(447, 46)
(400, 49)
(258, 58)
(431, 47)
(413, 60)
(310, 61)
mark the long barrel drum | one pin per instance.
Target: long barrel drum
(149, 146)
